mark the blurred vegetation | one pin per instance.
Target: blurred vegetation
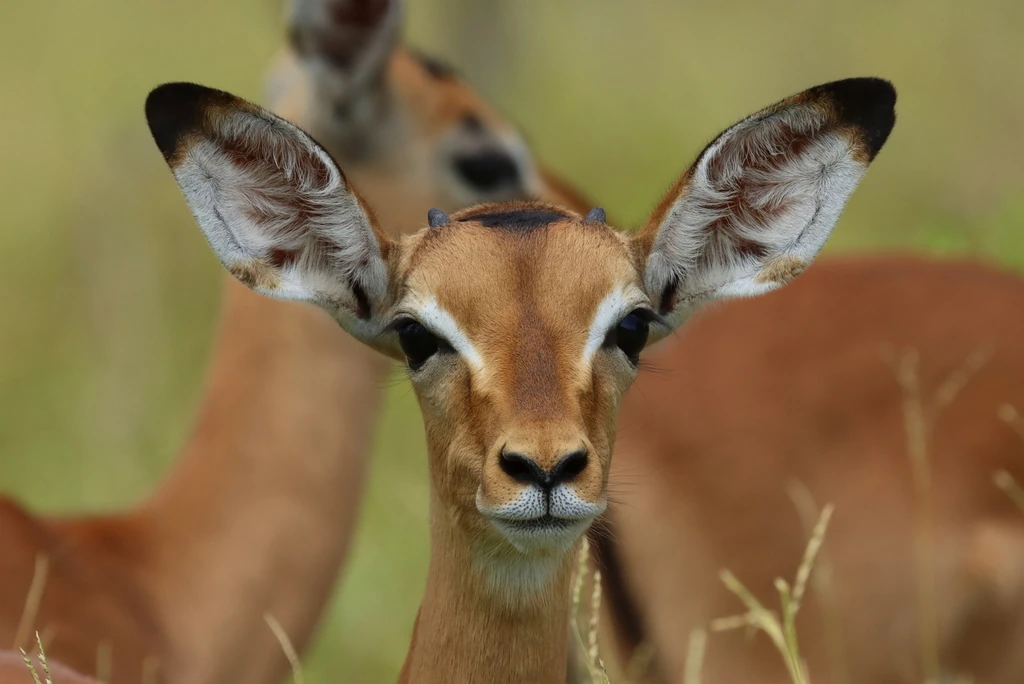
(108, 295)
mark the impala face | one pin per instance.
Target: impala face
(521, 324)
(475, 154)
(374, 101)
(519, 364)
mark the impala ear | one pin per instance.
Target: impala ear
(759, 202)
(334, 70)
(277, 211)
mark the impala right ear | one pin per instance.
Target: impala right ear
(758, 204)
(277, 211)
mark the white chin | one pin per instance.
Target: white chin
(541, 538)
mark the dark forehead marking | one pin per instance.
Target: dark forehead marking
(517, 219)
(439, 69)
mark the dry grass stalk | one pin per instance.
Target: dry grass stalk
(298, 675)
(919, 417)
(595, 617)
(917, 424)
(1005, 481)
(150, 670)
(41, 654)
(45, 637)
(104, 662)
(822, 584)
(781, 632)
(695, 656)
(1002, 478)
(32, 601)
(640, 662)
(588, 645)
(1009, 415)
(581, 573)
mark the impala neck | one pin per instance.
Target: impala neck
(471, 629)
(259, 512)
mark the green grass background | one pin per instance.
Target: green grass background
(108, 295)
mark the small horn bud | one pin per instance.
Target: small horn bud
(437, 218)
(596, 214)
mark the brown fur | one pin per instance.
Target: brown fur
(464, 633)
(255, 275)
(799, 386)
(782, 270)
(533, 344)
(529, 396)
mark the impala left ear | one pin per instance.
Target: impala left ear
(761, 199)
(277, 211)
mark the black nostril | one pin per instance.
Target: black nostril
(522, 469)
(487, 170)
(569, 467)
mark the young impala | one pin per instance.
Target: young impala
(179, 585)
(521, 325)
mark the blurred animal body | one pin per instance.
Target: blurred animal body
(874, 384)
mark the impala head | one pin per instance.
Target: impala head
(521, 324)
(373, 101)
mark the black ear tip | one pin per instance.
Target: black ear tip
(174, 109)
(869, 104)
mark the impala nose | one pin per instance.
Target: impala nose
(522, 468)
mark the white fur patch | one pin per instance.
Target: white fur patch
(609, 312)
(529, 505)
(566, 503)
(513, 518)
(434, 317)
(514, 577)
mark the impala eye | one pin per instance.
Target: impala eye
(418, 343)
(487, 171)
(630, 335)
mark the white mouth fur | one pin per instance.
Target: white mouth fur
(537, 523)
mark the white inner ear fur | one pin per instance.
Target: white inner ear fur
(286, 195)
(750, 187)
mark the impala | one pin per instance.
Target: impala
(817, 386)
(521, 325)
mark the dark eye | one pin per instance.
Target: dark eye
(487, 171)
(630, 335)
(418, 343)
